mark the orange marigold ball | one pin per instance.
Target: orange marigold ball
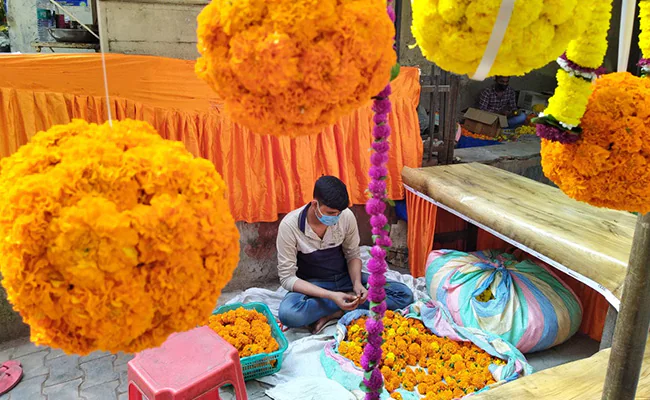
(112, 238)
(610, 165)
(293, 67)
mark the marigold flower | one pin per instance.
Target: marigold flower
(454, 34)
(293, 67)
(248, 342)
(112, 237)
(608, 166)
(432, 371)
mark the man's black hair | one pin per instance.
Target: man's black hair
(330, 191)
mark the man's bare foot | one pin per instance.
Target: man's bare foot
(319, 325)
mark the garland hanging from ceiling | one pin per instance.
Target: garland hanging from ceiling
(580, 66)
(609, 164)
(294, 67)
(112, 237)
(454, 34)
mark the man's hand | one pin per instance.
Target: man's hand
(344, 301)
(361, 292)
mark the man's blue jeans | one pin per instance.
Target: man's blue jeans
(516, 121)
(297, 310)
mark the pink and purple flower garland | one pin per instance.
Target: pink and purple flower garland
(377, 265)
(644, 64)
(373, 382)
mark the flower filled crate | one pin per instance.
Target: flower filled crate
(252, 330)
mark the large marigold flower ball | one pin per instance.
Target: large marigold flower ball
(112, 238)
(610, 165)
(293, 67)
(454, 33)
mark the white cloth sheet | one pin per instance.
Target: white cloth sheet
(310, 389)
(301, 368)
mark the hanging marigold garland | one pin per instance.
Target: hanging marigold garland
(294, 67)
(454, 33)
(580, 66)
(609, 166)
(112, 237)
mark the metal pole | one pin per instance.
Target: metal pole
(633, 321)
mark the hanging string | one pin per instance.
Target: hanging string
(102, 49)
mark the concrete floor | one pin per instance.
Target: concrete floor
(51, 375)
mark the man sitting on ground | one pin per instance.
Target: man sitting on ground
(501, 99)
(319, 262)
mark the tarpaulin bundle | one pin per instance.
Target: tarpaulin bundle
(524, 303)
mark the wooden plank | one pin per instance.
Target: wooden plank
(435, 88)
(66, 45)
(579, 380)
(591, 241)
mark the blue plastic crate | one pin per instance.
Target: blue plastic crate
(263, 364)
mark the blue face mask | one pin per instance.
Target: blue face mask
(327, 220)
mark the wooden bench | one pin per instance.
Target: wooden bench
(591, 244)
(579, 380)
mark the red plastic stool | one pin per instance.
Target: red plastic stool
(188, 366)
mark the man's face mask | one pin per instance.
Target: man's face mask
(327, 220)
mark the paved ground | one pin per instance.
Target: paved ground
(51, 375)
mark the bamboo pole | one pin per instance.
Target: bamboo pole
(633, 321)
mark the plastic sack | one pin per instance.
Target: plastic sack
(522, 302)
(440, 323)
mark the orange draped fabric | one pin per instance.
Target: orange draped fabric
(266, 176)
(422, 216)
(424, 220)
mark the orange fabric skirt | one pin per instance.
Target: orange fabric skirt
(425, 219)
(266, 176)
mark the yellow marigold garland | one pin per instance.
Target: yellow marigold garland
(293, 67)
(247, 330)
(580, 67)
(610, 165)
(415, 359)
(112, 238)
(454, 33)
(569, 102)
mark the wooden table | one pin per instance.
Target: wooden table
(591, 244)
(579, 380)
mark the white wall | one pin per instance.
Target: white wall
(23, 29)
(164, 28)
